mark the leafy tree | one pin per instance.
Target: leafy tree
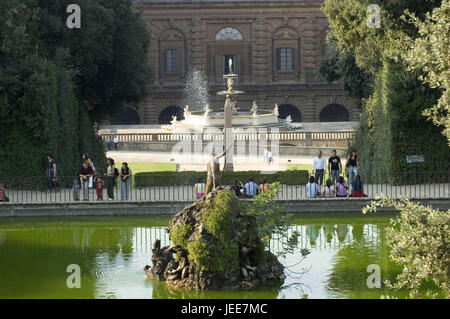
(109, 50)
(420, 242)
(429, 53)
(342, 67)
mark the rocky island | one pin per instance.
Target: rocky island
(215, 245)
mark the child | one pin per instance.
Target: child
(329, 190)
(75, 188)
(312, 188)
(3, 197)
(99, 188)
(341, 188)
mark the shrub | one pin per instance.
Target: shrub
(294, 177)
(420, 242)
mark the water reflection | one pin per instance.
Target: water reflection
(112, 251)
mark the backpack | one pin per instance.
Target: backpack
(116, 172)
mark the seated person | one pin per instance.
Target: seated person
(3, 197)
(341, 187)
(250, 188)
(329, 190)
(357, 188)
(238, 188)
(312, 188)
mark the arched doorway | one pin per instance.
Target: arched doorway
(128, 116)
(334, 113)
(288, 109)
(165, 117)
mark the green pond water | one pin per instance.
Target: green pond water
(112, 251)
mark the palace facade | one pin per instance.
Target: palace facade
(275, 47)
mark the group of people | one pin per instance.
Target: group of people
(335, 185)
(116, 143)
(89, 178)
(241, 190)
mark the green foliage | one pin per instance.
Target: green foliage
(179, 234)
(420, 242)
(291, 177)
(429, 53)
(392, 127)
(55, 81)
(342, 68)
(218, 218)
(223, 257)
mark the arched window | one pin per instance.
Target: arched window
(165, 117)
(288, 109)
(229, 33)
(334, 113)
(128, 116)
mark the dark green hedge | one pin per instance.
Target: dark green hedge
(392, 127)
(190, 177)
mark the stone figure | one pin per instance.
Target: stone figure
(230, 66)
(254, 110)
(213, 171)
(275, 110)
(289, 119)
(186, 112)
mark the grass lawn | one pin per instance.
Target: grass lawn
(141, 167)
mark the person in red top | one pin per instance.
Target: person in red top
(99, 188)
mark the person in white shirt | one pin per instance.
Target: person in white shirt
(116, 142)
(312, 189)
(269, 156)
(319, 167)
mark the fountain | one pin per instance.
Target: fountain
(196, 118)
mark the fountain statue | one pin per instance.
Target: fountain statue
(186, 111)
(275, 110)
(199, 115)
(254, 110)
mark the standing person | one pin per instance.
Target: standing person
(269, 156)
(312, 188)
(250, 188)
(264, 186)
(334, 167)
(51, 173)
(76, 189)
(319, 167)
(352, 166)
(266, 155)
(200, 188)
(110, 178)
(87, 159)
(85, 173)
(99, 187)
(108, 142)
(329, 190)
(116, 142)
(238, 188)
(125, 181)
(341, 187)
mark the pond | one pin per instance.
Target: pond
(112, 251)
